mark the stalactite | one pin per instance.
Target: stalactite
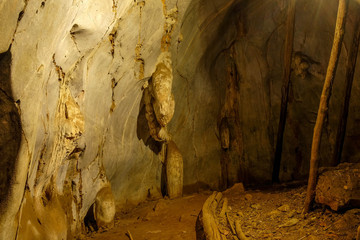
(174, 171)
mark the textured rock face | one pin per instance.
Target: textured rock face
(162, 79)
(174, 171)
(78, 70)
(339, 187)
(11, 13)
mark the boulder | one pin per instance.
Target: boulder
(237, 189)
(339, 187)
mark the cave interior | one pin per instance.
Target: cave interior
(192, 119)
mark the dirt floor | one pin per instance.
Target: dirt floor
(265, 214)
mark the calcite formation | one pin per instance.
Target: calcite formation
(161, 84)
(158, 98)
(75, 73)
(174, 171)
(104, 208)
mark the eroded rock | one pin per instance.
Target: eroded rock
(237, 189)
(339, 187)
(174, 171)
(162, 78)
(104, 208)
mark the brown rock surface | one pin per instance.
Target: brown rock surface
(339, 187)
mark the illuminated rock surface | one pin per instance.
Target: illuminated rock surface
(78, 69)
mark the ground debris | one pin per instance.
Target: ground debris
(267, 222)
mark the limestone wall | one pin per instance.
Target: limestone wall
(78, 69)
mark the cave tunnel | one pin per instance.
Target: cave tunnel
(193, 119)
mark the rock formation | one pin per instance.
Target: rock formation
(73, 92)
(339, 187)
(174, 171)
(104, 208)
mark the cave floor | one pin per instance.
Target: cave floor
(265, 214)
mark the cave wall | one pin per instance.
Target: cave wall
(77, 72)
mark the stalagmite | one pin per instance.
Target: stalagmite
(174, 171)
(104, 208)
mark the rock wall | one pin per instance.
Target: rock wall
(78, 69)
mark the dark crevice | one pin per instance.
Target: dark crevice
(10, 127)
(89, 220)
(143, 131)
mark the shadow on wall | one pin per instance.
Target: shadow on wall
(242, 47)
(143, 132)
(10, 127)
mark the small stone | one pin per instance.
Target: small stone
(291, 214)
(291, 222)
(255, 206)
(248, 197)
(146, 217)
(160, 205)
(274, 213)
(284, 208)
(323, 224)
(239, 213)
(312, 237)
(238, 188)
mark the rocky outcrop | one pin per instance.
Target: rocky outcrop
(339, 187)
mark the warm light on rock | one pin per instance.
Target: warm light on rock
(107, 104)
